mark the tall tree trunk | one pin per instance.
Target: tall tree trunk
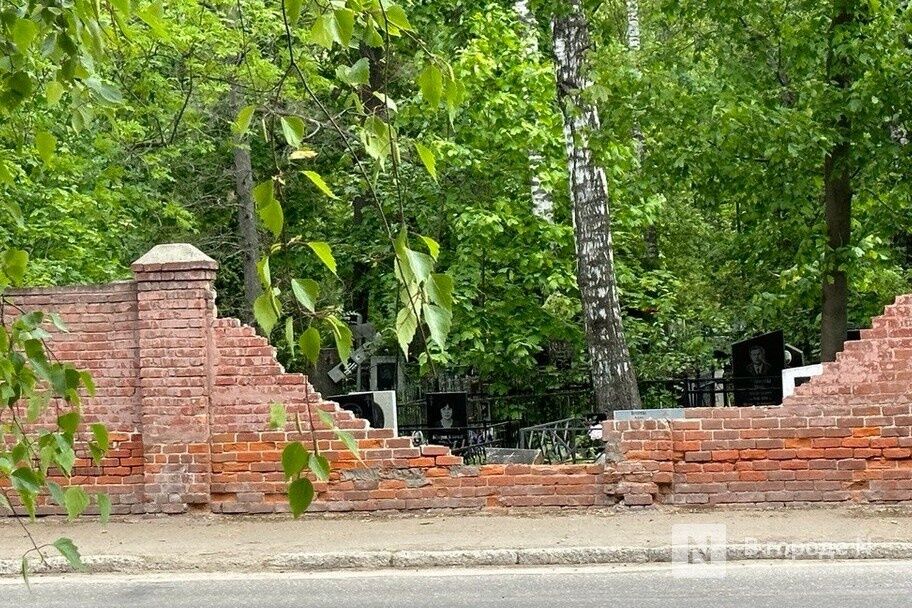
(651, 236)
(542, 203)
(612, 372)
(246, 216)
(837, 197)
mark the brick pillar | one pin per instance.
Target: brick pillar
(176, 304)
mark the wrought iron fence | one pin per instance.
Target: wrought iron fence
(528, 408)
(711, 392)
(467, 441)
(566, 440)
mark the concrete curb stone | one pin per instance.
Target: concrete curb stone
(370, 560)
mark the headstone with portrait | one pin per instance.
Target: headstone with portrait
(757, 365)
(447, 410)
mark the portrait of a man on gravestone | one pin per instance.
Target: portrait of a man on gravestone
(757, 364)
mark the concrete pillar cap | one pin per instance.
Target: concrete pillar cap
(174, 256)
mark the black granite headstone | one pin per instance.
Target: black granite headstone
(362, 405)
(757, 364)
(447, 410)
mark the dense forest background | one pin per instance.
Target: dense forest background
(714, 130)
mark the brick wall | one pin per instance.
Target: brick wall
(844, 436)
(187, 395)
(102, 323)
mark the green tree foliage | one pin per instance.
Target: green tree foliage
(117, 133)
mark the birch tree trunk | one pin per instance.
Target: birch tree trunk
(613, 376)
(651, 236)
(542, 203)
(246, 214)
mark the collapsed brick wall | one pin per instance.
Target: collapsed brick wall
(392, 474)
(186, 396)
(845, 436)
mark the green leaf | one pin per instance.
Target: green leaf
(88, 383)
(294, 459)
(264, 273)
(396, 15)
(293, 10)
(306, 291)
(58, 322)
(65, 456)
(14, 265)
(272, 217)
(302, 154)
(68, 422)
(440, 290)
(104, 507)
(324, 252)
(320, 466)
(265, 313)
(46, 144)
(326, 418)
(289, 334)
(24, 570)
(36, 404)
(439, 321)
(421, 264)
(19, 87)
(300, 495)
(264, 193)
(427, 158)
(23, 33)
(310, 344)
(268, 208)
(152, 16)
(324, 31)
(56, 493)
(351, 444)
(76, 501)
(356, 75)
(103, 91)
(431, 84)
(69, 551)
(100, 433)
(293, 130)
(455, 94)
(53, 92)
(406, 326)
(242, 121)
(343, 337)
(432, 245)
(319, 183)
(278, 416)
(345, 25)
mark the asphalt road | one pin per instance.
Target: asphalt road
(860, 584)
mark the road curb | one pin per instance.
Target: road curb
(371, 560)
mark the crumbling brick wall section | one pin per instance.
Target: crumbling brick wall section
(391, 474)
(845, 436)
(186, 396)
